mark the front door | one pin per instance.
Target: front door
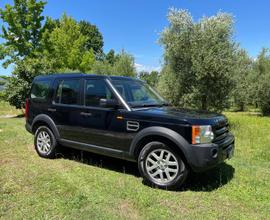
(100, 125)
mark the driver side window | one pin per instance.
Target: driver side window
(95, 90)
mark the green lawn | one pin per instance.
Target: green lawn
(6, 110)
(87, 186)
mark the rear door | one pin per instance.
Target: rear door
(66, 107)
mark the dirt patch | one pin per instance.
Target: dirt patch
(127, 210)
(8, 116)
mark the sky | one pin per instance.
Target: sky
(135, 25)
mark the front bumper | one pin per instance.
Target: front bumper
(206, 156)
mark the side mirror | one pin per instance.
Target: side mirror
(108, 103)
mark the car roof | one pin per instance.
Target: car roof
(82, 75)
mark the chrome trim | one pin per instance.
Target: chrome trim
(118, 95)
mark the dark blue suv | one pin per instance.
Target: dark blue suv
(125, 118)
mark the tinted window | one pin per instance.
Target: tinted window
(40, 90)
(137, 93)
(68, 92)
(96, 90)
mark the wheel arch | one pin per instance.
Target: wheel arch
(175, 140)
(45, 120)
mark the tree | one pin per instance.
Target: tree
(111, 57)
(149, 78)
(241, 92)
(23, 29)
(260, 87)
(19, 84)
(124, 65)
(22, 33)
(49, 26)
(121, 64)
(36, 47)
(199, 58)
(94, 39)
(88, 61)
(102, 68)
(68, 46)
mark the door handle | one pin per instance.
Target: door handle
(86, 114)
(51, 109)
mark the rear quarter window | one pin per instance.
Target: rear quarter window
(40, 90)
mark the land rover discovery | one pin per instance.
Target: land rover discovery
(125, 118)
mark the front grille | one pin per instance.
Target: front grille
(220, 133)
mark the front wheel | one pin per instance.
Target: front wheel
(161, 166)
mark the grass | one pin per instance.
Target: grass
(7, 110)
(81, 185)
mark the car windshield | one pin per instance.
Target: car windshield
(138, 94)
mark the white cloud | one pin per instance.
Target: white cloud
(137, 65)
(141, 67)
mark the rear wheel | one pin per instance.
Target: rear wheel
(45, 142)
(161, 166)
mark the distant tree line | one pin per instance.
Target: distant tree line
(203, 66)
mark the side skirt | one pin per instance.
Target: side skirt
(97, 149)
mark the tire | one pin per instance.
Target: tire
(155, 165)
(45, 142)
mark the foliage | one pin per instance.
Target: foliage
(46, 45)
(200, 59)
(242, 75)
(121, 64)
(4, 77)
(150, 78)
(111, 58)
(23, 29)
(2, 95)
(124, 65)
(2, 83)
(94, 39)
(88, 60)
(68, 46)
(19, 84)
(167, 85)
(260, 86)
(102, 68)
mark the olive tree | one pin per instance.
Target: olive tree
(242, 81)
(260, 86)
(199, 58)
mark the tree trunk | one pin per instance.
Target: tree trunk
(241, 107)
(204, 103)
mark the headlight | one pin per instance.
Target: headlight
(202, 134)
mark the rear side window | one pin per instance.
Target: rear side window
(40, 90)
(68, 92)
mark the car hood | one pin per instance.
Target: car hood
(194, 117)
